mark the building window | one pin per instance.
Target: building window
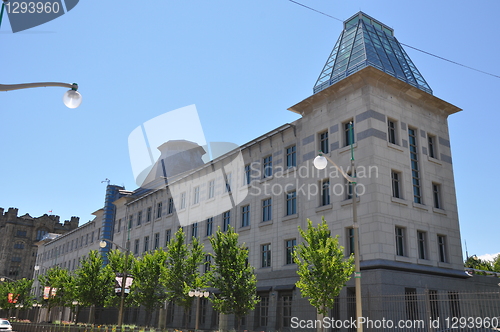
(245, 216)
(157, 241)
(289, 248)
(130, 220)
(415, 171)
(247, 175)
(226, 220)
(168, 233)
(91, 238)
(422, 244)
(286, 311)
(146, 243)
(291, 203)
(210, 222)
(196, 198)
(18, 245)
(348, 133)
(349, 187)
(228, 178)
(436, 194)
(268, 166)
(139, 218)
(158, 209)
(442, 248)
(262, 311)
(325, 192)
(323, 141)
(194, 230)
(391, 131)
(170, 205)
(432, 145)
(207, 263)
(148, 214)
(86, 239)
(211, 189)
(400, 241)
(396, 184)
(265, 250)
(136, 247)
(350, 241)
(183, 200)
(119, 228)
(291, 156)
(267, 209)
(16, 259)
(39, 234)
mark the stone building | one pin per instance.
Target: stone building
(20, 233)
(406, 203)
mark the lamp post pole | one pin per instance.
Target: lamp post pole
(103, 244)
(320, 162)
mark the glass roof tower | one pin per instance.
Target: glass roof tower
(368, 42)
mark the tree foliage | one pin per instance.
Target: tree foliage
(116, 259)
(20, 290)
(232, 275)
(322, 267)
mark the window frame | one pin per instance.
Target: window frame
(267, 166)
(323, 145)
(291, 156)
(265, 255)
(400, 241)
(267, 209)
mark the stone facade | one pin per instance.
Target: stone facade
(20, 234)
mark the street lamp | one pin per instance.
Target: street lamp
(2, 279)
(103, 244)
(320, 162)
(72, 98)
(199, 294)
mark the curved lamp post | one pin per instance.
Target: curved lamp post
(72, 98)
(199, 294)
(320, 162)
(103, 243)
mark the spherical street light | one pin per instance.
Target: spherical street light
(320, 162)
(103, 244)
(72, 98)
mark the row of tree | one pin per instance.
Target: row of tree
(169, 275)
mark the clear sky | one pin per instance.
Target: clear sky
(243, 63)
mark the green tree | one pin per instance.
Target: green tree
(232, 275)
(182, 269)
(21, 293)
(474, 262)
(94, 282)
(117, 264)
(148, 287)
(61, 287)
(322, 268)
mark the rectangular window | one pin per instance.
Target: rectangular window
(228, 179)
(130, 220)
(350, 241)
(136, 247)
(183, 200)
(207, 263)
(139, 218)
(348, 133)
(210, 222)
(168, 233)
(291, 203)
(157, 241)
(265, 250)
(396, 184)
(323, 141)
(268, 166)
(119, 225)
(91, 239)
(285, 302)
(247, 175)
(400, 241)
(158, 209)
(432, 145)
(267, 209)
(262, 311)
(196, 198)
(349, 186)
(194, 229)
(291, 156)
(146, 243)
(422, 244)
(170, 205)
(436, 194)
(148, 214)
(289, 247)
(391, 131)
(415, 170)
(442, 248)
(226, 220)
(325, 192)
(211, 189)
(245, 216)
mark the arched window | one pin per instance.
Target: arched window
(40, 233)
(19, 245)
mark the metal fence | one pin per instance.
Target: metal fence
(411, 311)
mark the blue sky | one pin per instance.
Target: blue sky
(243, 63)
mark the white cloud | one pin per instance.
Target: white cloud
(488, 257)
